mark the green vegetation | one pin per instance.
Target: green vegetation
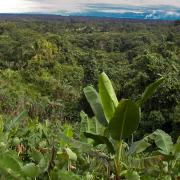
(30, 149)
(122, 119)
(50, 129)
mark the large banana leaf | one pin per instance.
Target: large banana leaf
(81, 146)
(90, 124)
(145, 162)
(125, 120)
(95, 103)
(107, 95)
(138, 146)
(163, 141)
(98, 139)
(149, 91)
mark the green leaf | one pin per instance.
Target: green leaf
(107, 95)
(87, 124)
(176, 148)
(167, 177)
(67, 175)
(35, 155)
(68, 154)
(132, 175)
(163, 141)
(149, 91)
(125, 120)
(31, 170)
(43, 164)
(98, 139)
(145, 162)
(90, 125)
(139, 146)
(95, 103)
(71, 154)
(8, 161)
(68, 131)
(79, 145)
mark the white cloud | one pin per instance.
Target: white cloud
(172, 13)
(72, 6)
(74, 3)
(15, 6)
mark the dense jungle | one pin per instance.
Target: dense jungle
(50, 70)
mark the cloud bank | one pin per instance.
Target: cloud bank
(143, 9)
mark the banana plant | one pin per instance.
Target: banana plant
(119, 119)
(165, 155)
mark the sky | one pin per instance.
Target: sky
(144, 8)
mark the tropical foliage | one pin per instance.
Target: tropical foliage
(46, 61)
(124, 128)
(31, 149)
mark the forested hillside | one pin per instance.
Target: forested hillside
(45, 64)
(46, 61)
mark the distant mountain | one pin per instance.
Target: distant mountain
(163, 12)
(131, 12)
(131, 15)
